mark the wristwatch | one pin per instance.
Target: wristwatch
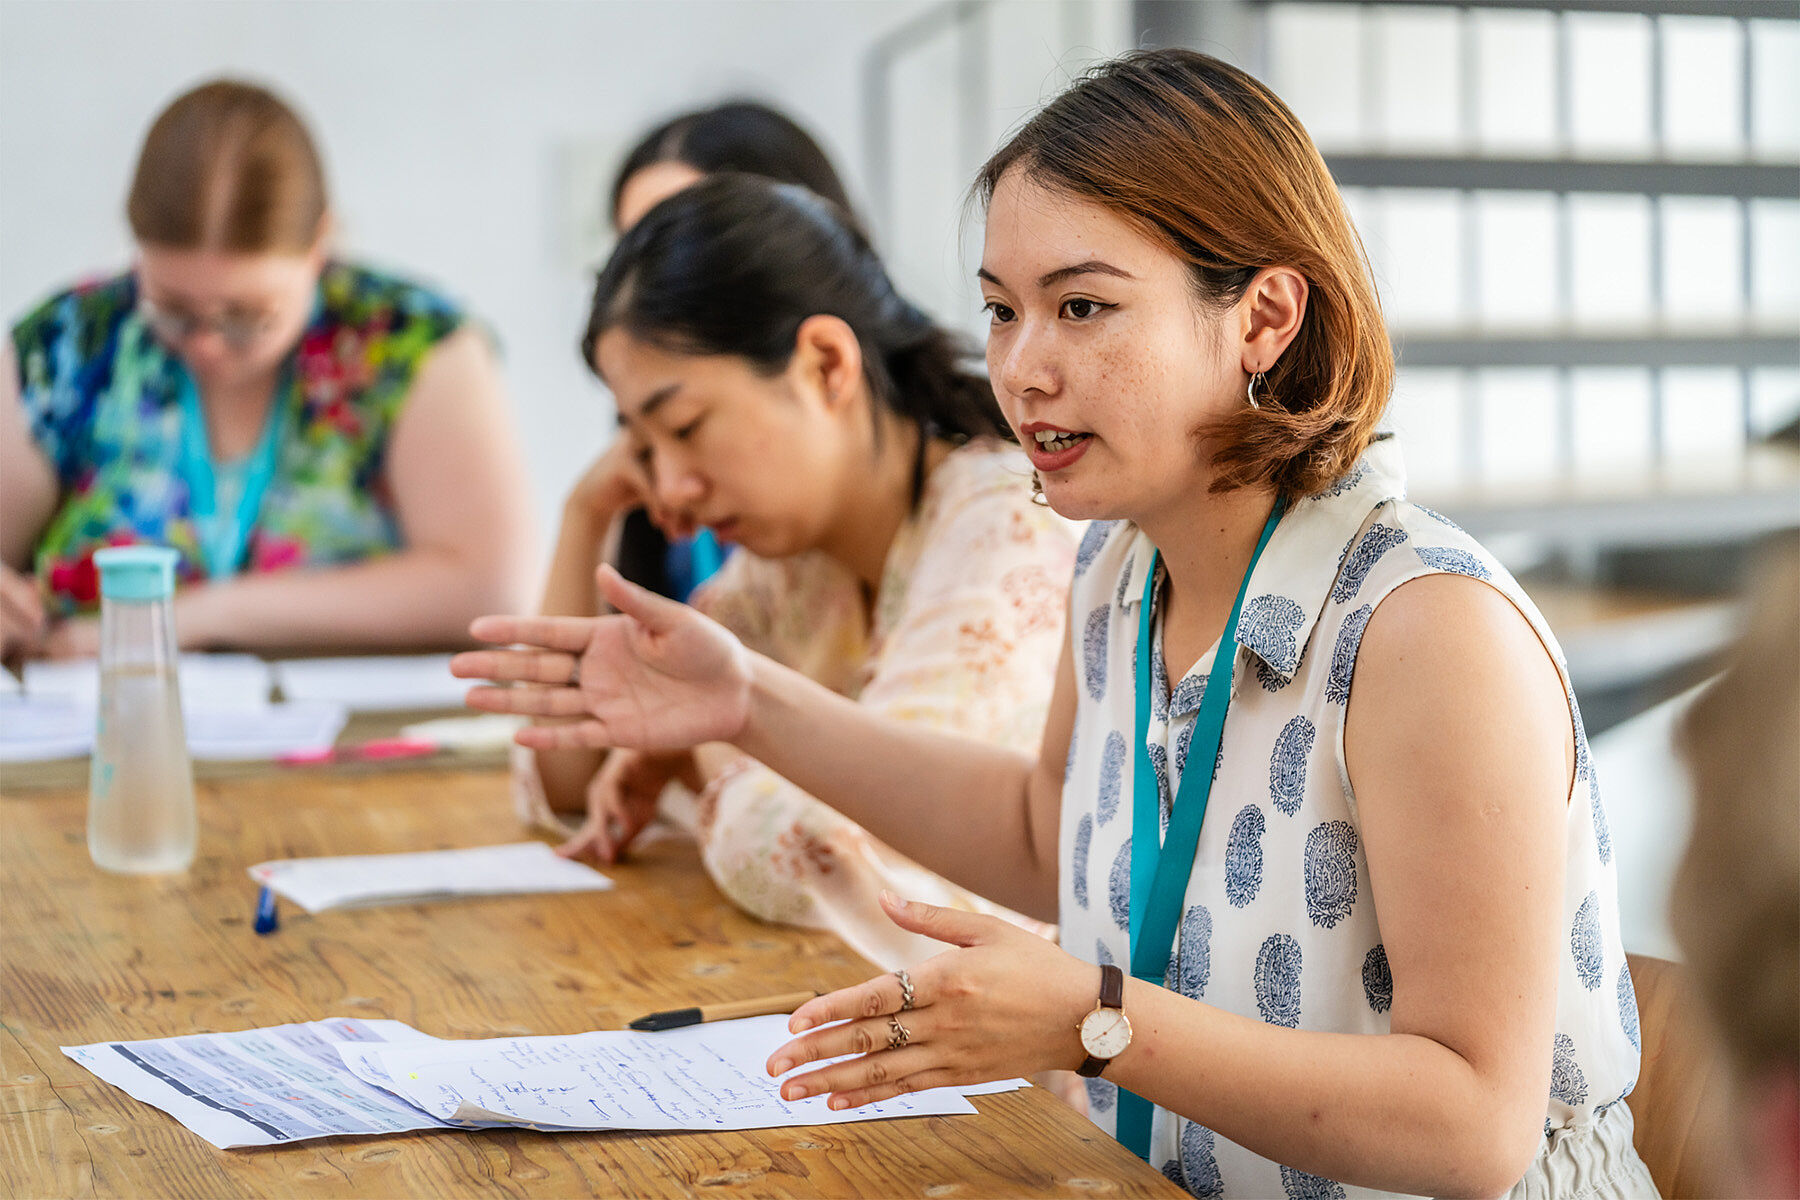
(1106, 1031)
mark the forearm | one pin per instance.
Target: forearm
(569, 589)
(418, 597)
(958, 807)
(1332, 1104)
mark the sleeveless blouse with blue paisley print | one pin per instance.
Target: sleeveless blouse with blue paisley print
(1279, 925)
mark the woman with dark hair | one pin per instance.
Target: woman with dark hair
(889, 549)
(739, 135)
(610, 502)
(1387, 960)
(326, 446)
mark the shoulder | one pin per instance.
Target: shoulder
(76, 322)
(981, 470)
(1451, 637)
(1400, 541)
(379, 301)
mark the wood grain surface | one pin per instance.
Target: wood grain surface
(86, 956)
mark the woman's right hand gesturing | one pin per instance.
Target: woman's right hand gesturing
(655, 676)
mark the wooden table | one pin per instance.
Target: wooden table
(86, 957)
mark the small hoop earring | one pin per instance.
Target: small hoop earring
(1037, 491)
(1250, 392)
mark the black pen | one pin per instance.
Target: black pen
(675, 1018)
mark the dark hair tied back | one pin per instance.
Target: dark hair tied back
(739, 135)
(735, 264)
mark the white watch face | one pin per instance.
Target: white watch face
(1105, 1033)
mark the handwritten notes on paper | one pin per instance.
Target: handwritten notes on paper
(335, 1077)
(700, 1077)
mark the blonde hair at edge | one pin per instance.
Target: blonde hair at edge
(1737, 893)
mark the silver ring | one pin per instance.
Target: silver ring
(899, 1035)
(906, 992)
(1250, 392)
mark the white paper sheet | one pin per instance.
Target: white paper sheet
(266, 731)
(37, 728)
(348, 1077)
(34, 730)
(261, 1086)
(518, 868)
(377, 684)
(702, 1077)
(221, 681)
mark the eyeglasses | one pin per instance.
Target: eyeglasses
(237, 328)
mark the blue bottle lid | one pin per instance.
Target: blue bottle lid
(136, 572)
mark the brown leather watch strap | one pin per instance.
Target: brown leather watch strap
(1112, 995)
(1112, 986)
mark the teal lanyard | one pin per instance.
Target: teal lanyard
(1160, 868)
(224, 536)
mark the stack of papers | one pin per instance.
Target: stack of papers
(208, 681)
(55, 718)
(263, 732)
(347, 1077)
(519, 868)
(34, 730)
(225, 701)
(378, 684)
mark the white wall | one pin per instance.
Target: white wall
(452, 134)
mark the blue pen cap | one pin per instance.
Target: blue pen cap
(136, 572)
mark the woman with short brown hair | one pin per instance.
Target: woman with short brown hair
(327, 446)
(1348, 884)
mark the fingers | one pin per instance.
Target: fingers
(884, 1068)
(872, 999)
(656, 613)
(577, 735)
(863, 1036)
(608, 826)
(530, 702)
(568, 634)
(584, 843)
(21, 608)
(521, 666)
(945, 924)
(919, 1081)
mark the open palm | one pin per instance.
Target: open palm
(655, 676)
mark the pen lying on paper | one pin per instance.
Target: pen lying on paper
(675, 1018)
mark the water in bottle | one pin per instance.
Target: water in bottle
(141, 785)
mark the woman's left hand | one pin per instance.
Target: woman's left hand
(1003, 1003)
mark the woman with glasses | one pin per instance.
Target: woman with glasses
(327, 446)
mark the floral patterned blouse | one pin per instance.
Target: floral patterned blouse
(966, 631)
(103, 399)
